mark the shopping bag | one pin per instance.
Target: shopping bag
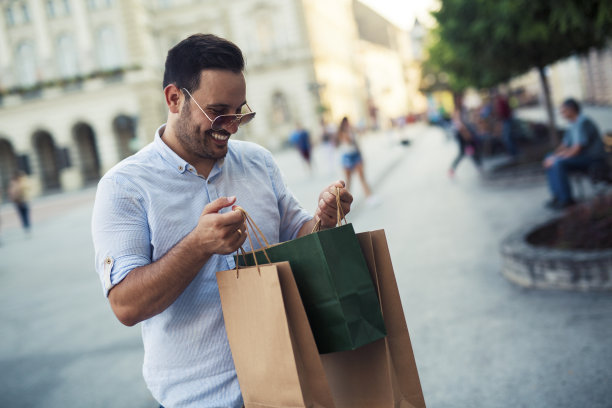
(274, 352)
(384, 373)
(335, 286)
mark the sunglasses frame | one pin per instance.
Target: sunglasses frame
(234, 118)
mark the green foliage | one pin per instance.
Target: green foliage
(481, 43)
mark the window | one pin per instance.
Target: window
(26, 64)
(9, 16)
(17, 13)
(50, 8)
(67, 56)
(107, 48)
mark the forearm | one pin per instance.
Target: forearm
(570, 151)
(149, 290)
(306, 228)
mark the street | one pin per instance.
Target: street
(479, 341)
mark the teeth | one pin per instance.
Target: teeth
(220, 137)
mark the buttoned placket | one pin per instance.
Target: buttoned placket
(213, 194)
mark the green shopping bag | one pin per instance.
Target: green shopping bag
(335, 286)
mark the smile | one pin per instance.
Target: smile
(220, 137)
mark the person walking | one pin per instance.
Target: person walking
(466, 138)
(163, 223)
(581, 147)
(300, 138)
(18, 190)
(351, 158)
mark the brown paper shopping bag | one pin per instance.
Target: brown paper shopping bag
(274, 351)
(384, 373)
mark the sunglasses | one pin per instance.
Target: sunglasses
(222, 121)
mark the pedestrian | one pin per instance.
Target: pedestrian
(163, 223)
(581, 148)
(466, 137)
(351, 158)
(503, 114)
(300, 138)
(18, 190)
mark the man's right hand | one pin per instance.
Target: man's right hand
(220, 233)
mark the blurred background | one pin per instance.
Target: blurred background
(81, 89)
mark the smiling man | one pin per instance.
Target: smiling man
(163, 223)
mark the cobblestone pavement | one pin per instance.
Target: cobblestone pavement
(479, 341)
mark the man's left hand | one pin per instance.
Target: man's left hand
(327, 209)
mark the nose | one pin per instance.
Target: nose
(232, 127)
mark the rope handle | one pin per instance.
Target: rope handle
(340, 216)
(255, 231)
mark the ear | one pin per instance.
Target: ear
(174, 98)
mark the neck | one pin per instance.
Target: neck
(202, 165)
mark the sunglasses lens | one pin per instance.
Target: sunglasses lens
(247, 118)
(226, 120)
(222, 121)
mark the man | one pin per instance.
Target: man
(163, 224)
(580, 148)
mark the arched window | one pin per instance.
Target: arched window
(108, 48)
(26, 64)
(67, 56)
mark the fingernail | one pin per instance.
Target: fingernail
(232, 198)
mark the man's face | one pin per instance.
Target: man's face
(568, 113)
(220, 93)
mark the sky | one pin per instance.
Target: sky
(402, 12)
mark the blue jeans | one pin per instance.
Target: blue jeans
(508, 137)
(558, 179)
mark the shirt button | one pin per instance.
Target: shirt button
(108, 260)
(180, 168)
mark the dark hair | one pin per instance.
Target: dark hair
(186, 60)
(572, 104)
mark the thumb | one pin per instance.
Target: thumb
(218, 204)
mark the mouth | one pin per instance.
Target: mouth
(219, 138)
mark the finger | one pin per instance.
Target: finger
(326, 219)
(328, 199)
(218, 204)
(328, 211)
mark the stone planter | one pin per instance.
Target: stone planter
(546, 268)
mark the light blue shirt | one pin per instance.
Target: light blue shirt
(148, 203)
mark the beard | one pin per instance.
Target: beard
(198, 142)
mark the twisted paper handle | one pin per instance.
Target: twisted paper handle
(252, 229)
(340, 216)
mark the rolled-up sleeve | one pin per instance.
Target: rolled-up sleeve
(292, 214)
(120, 231)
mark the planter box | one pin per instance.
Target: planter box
(547, 268)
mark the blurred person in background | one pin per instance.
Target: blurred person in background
(18, 191)
(467, 140)
(581, 148)
(503, 114)
(300, 139)
(351, 158)
(163, 224)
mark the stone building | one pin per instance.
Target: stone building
(80, 80)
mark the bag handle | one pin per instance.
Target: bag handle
(252, 229)
(340, 216)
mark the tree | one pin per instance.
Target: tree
(484, 42)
